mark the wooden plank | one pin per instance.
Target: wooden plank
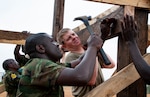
(148, 35)
(2, 88)
(12, 37)
(129, 10)
(135, 3)
(58, 17)
(117, 82)
(124, 57)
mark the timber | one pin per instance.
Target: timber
(118, 82)
(12, 37)
(136, 3)
(124, 58)
(58, 17)
(148, 35)
(2, 88)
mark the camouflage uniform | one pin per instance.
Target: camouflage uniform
(39, 79)
(11, 80)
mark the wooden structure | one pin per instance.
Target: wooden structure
(126, 82)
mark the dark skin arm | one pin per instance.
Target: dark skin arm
(17, 48)
(130, 33)
(93, 79)
(82, 73)
(16, 53)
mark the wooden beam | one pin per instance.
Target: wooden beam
(12, 37)
(2, 88)
(117, 82)
(129, 10)
(58, 17)
(124, 58)
(135, 3)
(148, 35)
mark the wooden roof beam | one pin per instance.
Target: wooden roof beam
(135, 3)
(12, 37)
(110, 87)
(148, 35)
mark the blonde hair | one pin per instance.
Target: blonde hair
(60, 34)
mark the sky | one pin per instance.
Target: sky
(37, 16)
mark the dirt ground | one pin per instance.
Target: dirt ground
(67, 93)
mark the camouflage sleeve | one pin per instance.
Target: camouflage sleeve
(41, 72)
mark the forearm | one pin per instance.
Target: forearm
(142, 67)
(89, 61)
(95, 73)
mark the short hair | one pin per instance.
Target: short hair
(60, 34)
(6, 64)
(33, 40)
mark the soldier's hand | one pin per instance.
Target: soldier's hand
(95, 41)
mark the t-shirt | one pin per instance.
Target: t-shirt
(39, 79)
(80, 91)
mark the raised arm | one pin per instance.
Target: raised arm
(130, 33)
(17, 53)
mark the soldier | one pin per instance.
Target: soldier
(43, 77)
(11, 77)
(21, 58)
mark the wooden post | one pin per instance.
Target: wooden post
(58, 17)
(138, 88)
